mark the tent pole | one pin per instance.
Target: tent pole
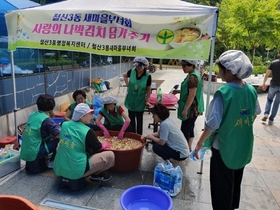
(199, 66)
(120, 65)
(90, 69)
(209, 87)
(14, 90)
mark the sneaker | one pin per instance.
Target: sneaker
(50, 164)
(270, 122)
(103, 177)
(265, 117)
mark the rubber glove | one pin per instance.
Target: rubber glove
(124, 127)
(106, 145)
(105, 131)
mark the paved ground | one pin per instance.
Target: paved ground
(260, 186)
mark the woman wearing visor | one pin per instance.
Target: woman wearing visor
(138, 92)
(115, 118)
(191, 103)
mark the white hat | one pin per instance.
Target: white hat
(193, 62)
(81, 110)
(237, 62)
(109, 100)
(140, 61)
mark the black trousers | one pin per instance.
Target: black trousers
(166, 152)
(137, 127)
(187, 127)
(52, 145)
(225, 184)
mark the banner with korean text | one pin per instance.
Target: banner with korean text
(113, 33)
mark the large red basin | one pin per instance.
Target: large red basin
(126, 160)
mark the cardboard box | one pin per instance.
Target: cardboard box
(11, 164)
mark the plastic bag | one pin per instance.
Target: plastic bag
(103, 86)
(168, 178)
(107, 84)
(97, 104)
(5, 153)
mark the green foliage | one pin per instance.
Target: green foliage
(53, 62)
(257, 60)
(215, 69)
(206, 2)
(31, 65)
(248, 24)
(81, 59)
(258, 69)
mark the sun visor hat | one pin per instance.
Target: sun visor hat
(140, 61)
(138, 64)
(193, 62)
(81, 110)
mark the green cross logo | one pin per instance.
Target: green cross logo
(165, 36)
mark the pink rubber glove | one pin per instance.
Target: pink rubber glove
(105, 131)
(124, 127)
(106, 145)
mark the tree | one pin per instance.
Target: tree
(248, 24)
(274, 42)
(206, 2)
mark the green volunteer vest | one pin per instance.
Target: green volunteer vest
(74, 104)
(32, 138)
(113, 120)
(185, 93)
(236, 130)
(71, 159)
(136, 95)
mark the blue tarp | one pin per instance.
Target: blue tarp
(8, 5)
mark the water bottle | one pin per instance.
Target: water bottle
(159, 96)
(178, 181)
(167, 165)
(204, 154)
(157, 175)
